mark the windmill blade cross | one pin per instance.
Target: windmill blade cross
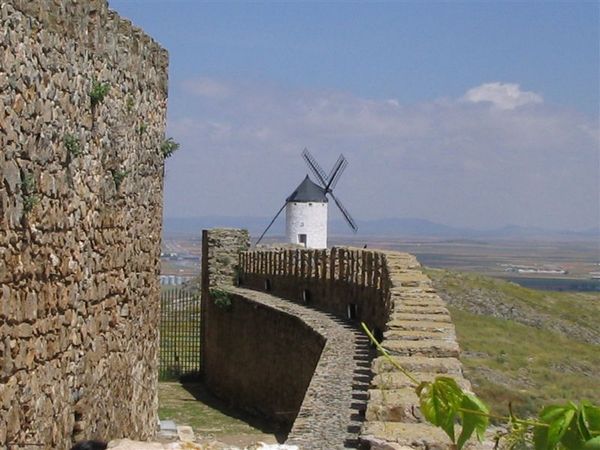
(333, 169)
(314, 166)
(345, 213)
(336, 172)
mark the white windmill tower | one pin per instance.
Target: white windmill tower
(306, 207)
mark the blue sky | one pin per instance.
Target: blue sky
(472, 114)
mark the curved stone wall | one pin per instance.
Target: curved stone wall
(80, 223)
(259, 354)
(348, 282)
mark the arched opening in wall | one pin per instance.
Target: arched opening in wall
(351, 311)
(267, 285)
(306, 297)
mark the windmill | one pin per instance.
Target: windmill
(306, 207)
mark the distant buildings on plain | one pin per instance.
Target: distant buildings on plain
(173, 280)
(554, 270)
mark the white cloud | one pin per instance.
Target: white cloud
(207, 87)
(502, 95)
(451, 161)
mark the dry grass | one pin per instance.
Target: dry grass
(512, 347)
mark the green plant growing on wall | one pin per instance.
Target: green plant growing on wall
(118, 176)
(28, 188)
(129, 103)
(225, 260)
(221, 299)
(558, 427)
(168, 147)
(98, 92)
(73, 146)
(142, 128)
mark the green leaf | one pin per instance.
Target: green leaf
(471, 421)
(440, 401)
(573, 438)
(592, 444)
(591, 416)
(559, 419)
(559, 427)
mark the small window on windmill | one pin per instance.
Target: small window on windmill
(302, 239)
(267, 285)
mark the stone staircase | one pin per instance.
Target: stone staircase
(421, 338)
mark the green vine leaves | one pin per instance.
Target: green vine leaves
(221, 299)
(445, 404)
(168, 147)
(442, 401)
(568, 426)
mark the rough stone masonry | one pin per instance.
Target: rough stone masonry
(81, 175)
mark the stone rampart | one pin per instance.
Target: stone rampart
(283, 360)
(390, 293)
(386, 290)
(80, 223)
(348, 282)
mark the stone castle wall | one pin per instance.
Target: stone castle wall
(80, 224)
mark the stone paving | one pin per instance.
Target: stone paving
(332, 412)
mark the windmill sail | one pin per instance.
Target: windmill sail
(336, 172)
(271, 223)
(329, 181)
(345, 213)
(314, 167)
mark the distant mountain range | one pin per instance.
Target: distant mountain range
(407, 227)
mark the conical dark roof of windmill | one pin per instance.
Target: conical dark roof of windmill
(308, 191)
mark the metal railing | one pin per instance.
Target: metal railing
(179, 334)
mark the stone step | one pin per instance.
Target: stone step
(416, 436)
(428, 317)
(420, 325)
(418, 300)
(451, 366)
(420, 335)
(416, 290)
(420, 309)
(397, 380)
(411, 293)
(397, 405)
(432, 347)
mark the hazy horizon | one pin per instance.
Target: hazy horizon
(471, 115)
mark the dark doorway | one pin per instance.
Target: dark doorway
(351, 309)
(306, 296)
